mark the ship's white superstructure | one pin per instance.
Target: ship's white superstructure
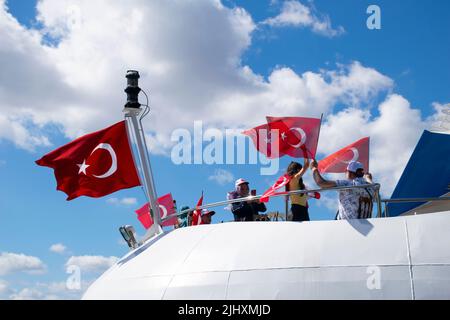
(404, 257)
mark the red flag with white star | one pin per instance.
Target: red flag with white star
(299, 136)
(94, 165)
(338, 161)
(267, 138)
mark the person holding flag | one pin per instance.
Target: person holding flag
(299, 207)
(348, 198)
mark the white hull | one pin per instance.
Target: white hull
(390, 258)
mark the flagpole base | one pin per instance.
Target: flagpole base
(154, 231)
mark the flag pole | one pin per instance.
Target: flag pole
(286, 200)
(368, 156)
(318, 134)
(132, 111)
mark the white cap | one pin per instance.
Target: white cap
(206, 211)
(353, 166)
(239, 182)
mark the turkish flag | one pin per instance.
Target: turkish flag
(264, 141)
(94, 165)
(281, 182)
(197, 215)
(298, 135)
(166, 207)
(272, 139)
(338, 161)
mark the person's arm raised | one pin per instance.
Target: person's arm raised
(303, 170)
(321, 182)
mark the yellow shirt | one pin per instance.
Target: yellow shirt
(299, 199)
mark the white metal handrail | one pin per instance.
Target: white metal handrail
(373, 186)
(406, 200)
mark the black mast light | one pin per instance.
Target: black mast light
(132, 89)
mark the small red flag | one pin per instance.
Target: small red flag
(197, 215)
(166, 207)
(94, 165)
(281, 182)
(338, 161)
(298, 135)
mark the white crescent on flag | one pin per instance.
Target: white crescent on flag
(164, 210)
(303, 137)
(355, 155)
(113, 168)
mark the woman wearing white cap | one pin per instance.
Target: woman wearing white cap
(245, 210)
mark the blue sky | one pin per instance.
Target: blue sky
(228, 65)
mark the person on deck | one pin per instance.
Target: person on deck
(206, 216)
(299, 207)
(245, 210)
(349, 199)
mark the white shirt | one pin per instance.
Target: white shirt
(349, 198)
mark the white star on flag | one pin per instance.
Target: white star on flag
(83, 166)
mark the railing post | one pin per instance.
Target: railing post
(377, 193)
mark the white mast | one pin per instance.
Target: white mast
(132, 111)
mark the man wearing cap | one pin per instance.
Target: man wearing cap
(348, 198)
(206, 216)
(245, 210)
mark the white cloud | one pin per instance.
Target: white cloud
(58, 248)
(46, 291)
(59, 290)
(190, 71)
(92, 263)
(28, 294)
(440, 121)
(294, 13)
(13, 262)
(394, 134)
(222, 177)
(20, 132)
(3, 287)
(123, 201)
